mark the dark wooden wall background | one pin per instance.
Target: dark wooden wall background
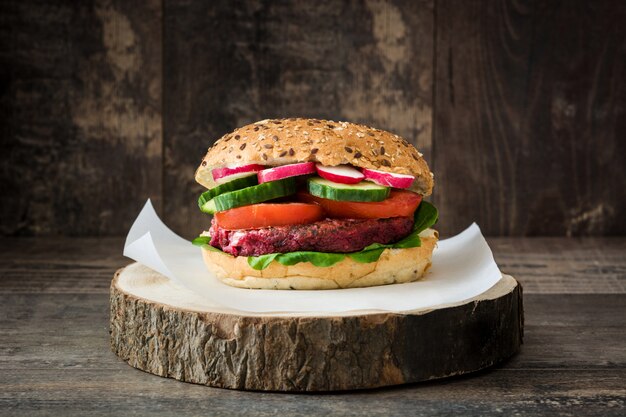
(519, 107)
(80, 115)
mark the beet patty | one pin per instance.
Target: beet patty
(329, 235)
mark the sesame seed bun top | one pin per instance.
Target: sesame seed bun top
(274, 142)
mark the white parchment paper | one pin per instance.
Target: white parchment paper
(463, 267)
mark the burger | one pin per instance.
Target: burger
(309, 204)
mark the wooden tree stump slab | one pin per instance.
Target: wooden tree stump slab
(164, 329)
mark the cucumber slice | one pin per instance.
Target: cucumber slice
(250, 195)
(363, 191)
(208, 207)
(236, 184)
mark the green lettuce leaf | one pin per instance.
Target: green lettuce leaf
(320, 259)
(425, 216)
(203, 242)
(261, 262)
(366, 256)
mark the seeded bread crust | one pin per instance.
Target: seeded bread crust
(275, 142)
(393, 267)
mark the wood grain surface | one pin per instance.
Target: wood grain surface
(231, 63)
(159, 328)
(80, 115)
(55, 357)
(518, 106)
(530, 121)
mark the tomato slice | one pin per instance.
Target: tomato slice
(269, 214)
(399, 203)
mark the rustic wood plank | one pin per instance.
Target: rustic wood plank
(78, 392)
(564, 266)
(564, 331)
(228, 64)
(80, 105)
(530, 117)
(55, 359)
(59, 265)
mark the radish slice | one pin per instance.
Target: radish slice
(342, 174)
(285, 171)
(225, 174)
(388, 179)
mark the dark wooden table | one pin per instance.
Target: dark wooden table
(55, 357)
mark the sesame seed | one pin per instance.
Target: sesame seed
(357, 154)
(283, 153)
(275, 137)
(291, 152)
(382, 150)
(268, 146)
(203, 163)
(349, 150)
(361, 135)
(314, 151)
(264, 157)
(237, 137)
(243, 146)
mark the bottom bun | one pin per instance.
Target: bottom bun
(393, 266)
